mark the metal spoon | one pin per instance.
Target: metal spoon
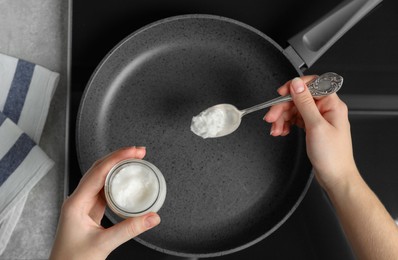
(223, 119)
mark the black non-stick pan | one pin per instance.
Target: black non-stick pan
(224, 194)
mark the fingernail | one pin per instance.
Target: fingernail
(140, 151)
(297, 85)
(152, 221)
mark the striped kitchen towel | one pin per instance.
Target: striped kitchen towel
(22, 165)
(26, 91)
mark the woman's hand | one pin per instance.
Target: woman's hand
(325, 121)
(80, 234)
(369, 228)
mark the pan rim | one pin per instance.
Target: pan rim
(99, 67)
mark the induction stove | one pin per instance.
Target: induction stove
(366, 56)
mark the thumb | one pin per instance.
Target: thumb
(305, 103)
(129, 228)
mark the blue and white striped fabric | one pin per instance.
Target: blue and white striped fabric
(26, 91)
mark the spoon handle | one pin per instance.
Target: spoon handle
(323, 85)
(266, 104)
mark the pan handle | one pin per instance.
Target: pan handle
(310, 44)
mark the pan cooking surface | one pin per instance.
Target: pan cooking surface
(223, 194)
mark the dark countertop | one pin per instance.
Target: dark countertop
(367, 57)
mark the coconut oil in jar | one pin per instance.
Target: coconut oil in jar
(134, 187)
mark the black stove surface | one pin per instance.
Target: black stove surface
(367, 57)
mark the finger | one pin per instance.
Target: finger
(94, 180)
(305, 103)
(277, 127)
(285, 88)
(283, 124)
(128, 229)
(276, 111)
(98, 162)
(286, 128)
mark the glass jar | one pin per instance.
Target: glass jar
(134, 187)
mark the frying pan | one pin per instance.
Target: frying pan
(224, 194)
